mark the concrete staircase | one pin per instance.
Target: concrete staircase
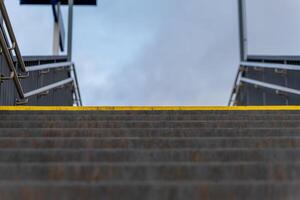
(150, 155)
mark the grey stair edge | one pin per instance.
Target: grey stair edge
(155, 129)
(246, 149)
(158, 121)
(150, 143)
(146, 183)
(133, 138)
(112, 125)
(153, 164)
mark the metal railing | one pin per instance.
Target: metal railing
(12, 36)
(235, 87)
(270, 86)
(78, 99)
(9, 43)
(270, 65)
(48, 66)
(262, 65)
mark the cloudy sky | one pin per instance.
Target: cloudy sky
(161, 52)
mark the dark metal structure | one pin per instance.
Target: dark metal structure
(63, 2)
(62, 95)
(39, 80)
(261, 79)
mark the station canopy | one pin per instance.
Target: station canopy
(63, 2)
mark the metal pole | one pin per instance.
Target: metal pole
(243, 30)
(56, 30)
(70, 29)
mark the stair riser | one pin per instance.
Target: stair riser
(203, 191)
(96, 143)
(166, 124)
(100, 173)
(202, 156)
(148, 132)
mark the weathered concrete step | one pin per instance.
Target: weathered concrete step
(150, 143)
(152, 124)
(35, 190)
(149, 132)
(155, 117)
(214, 172)
(169, 155)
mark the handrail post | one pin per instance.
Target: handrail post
(56, 31)
(77, 89)
(70, 29)
(242, 22)
(242, 29)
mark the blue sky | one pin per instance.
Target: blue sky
(160, 52)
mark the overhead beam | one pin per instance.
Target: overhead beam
(63, 2)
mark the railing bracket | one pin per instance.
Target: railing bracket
(60, 87)
(46, 71)
(281, 93)
(5, 78)
(259, 69)
(59, 69)
(44, 93)
(23, 75)
(20, 102)
(280, 71)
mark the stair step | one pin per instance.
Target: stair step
(149, 143)
(149, 132)
(101, 172)
(150, 155)
(152, 124)
(169, 155)
(129, 190)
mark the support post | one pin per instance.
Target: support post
(56, 31)
(243, 30)
(70, 29)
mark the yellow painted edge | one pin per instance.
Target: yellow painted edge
(145, 108)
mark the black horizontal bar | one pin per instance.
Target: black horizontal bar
(63, 2)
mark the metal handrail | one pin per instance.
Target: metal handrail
(48, 66)
(233, 91)
(12, 35)
(259, 65)
(22, 95)
(48, 87)
(270, 65)
(77, 89)
(11, 64)
(9, 57)
(270, 86)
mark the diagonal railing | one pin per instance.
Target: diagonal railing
(239, 79)
(12, 36)
(9, 43)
